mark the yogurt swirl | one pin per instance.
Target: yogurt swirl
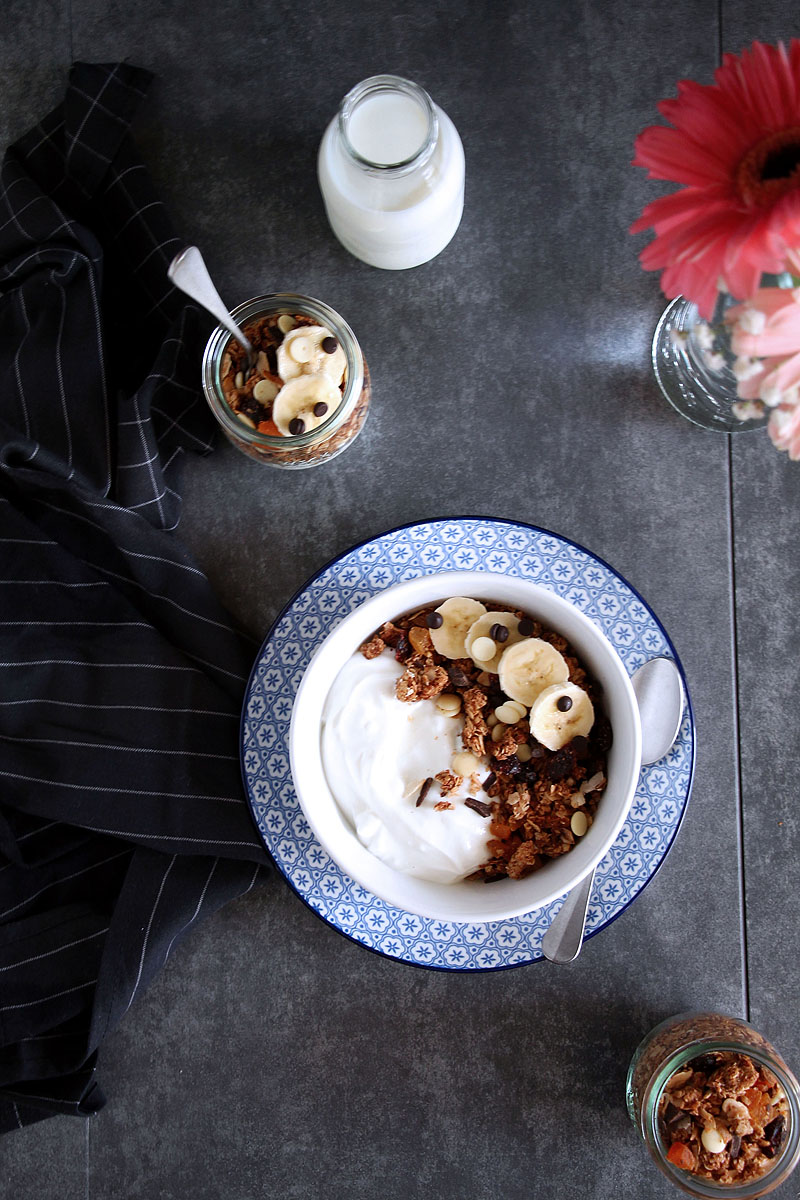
(377, 752)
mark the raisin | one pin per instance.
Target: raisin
(561, 765)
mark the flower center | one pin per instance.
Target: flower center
(770, 168)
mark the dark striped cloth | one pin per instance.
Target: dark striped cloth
(122, 815)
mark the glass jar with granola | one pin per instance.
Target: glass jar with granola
(303, 396)
(716, 1105)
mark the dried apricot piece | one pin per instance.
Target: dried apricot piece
(681, 1156)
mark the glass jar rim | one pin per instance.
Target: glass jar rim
(272, 302)
(374, 85)
(700, 1187)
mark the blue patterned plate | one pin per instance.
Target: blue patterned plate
(406, 553)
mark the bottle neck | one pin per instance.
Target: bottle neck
(388, 126)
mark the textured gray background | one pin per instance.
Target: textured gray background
(272, 1058)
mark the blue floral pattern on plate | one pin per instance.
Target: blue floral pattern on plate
(406, 553)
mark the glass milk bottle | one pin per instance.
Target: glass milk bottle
(391, 172)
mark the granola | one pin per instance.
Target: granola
(296, 383)
(538, 799)
(723, 1117)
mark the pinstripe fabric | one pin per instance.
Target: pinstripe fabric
(122, 816)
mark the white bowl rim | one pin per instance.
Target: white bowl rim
(435, 901)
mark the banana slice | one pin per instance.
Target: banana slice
(482, 628)
(458, 613)
(307, 349)
(560, 713)
(310, 399)
(528, 667)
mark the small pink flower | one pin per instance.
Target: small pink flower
(784, 429)
(765, 333)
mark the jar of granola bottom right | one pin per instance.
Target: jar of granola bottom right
(716, 1106)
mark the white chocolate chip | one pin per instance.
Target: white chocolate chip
(246, 420)
(524, 752)
(491, 720)
(265, 390)
(239, 380)
(507, 714)
(465, 764)
(579, 824)
(301, 349)
(521, 709)
(484, 649)
(285, 322)
(498, 731)
(713, 1140)
(449, 704)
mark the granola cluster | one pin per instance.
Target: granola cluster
(537, 801)
(723, 1117)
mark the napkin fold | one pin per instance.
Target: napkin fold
(122, 815)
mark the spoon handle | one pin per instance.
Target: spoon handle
(189, 272)
(563, 940)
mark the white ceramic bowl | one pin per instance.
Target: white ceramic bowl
(471, 901)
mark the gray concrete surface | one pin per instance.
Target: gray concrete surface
(511, 378)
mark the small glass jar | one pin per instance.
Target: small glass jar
(324, 441)
(672, 1045)
(391, 173)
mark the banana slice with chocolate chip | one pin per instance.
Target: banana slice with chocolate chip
(528, 667)
(458, 614)
(308, 349)
(560, 713)
(304, 403)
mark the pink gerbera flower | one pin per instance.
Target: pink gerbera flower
(734, 145)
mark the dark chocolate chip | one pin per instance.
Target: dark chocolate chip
(489, 781)
(423, 791)
(580, 745)
(329, 345)
(272, 359)
(458, 678)
(774, 1135)
(564, 703)
(735, 1147)
(537, 750)
(435, 620)
(478, 806)
(525, 627)
(499, 633)
(297, 425)
(705, 1063)
(320, 408)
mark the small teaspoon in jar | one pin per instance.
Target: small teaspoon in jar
(659, 693)
(189, 272)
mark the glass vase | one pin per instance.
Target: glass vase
(693, 364)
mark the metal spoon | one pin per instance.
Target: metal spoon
(189, 272)
(659, 694)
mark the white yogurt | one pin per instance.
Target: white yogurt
(377, 751)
